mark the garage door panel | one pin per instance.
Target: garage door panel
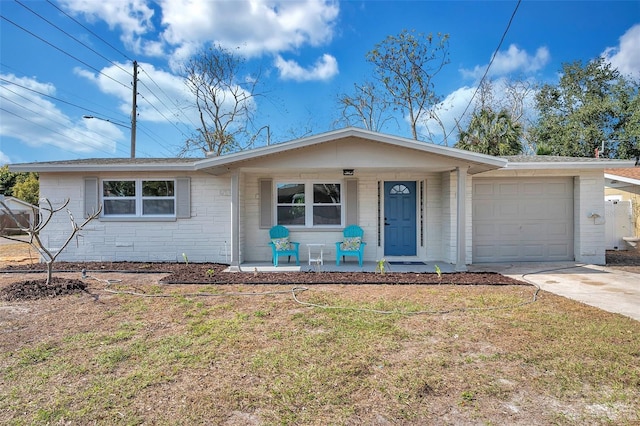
(558, 190)
(485, 230)
(483, 209)
(507, 189)
(533, 209)
(507, 231)
(484, 189)
(560, 251)
(533, 232)
(532, 189)
(508, 251)
(532, 251)
(559, 230)
(508, 210)
(522, 219)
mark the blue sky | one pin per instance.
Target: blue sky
(56, 65)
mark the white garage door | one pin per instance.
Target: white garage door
(522, 219)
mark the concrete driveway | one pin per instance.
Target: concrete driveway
(605, 288)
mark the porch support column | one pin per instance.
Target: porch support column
(235, 223)
(461, 220)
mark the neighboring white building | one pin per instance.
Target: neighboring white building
(416, 201)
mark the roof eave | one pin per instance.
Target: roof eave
(622, 179)
(568, 165)
(75, 168)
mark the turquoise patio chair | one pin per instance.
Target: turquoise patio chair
(351, 245)
(281, 246)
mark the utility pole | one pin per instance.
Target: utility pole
(134, 109)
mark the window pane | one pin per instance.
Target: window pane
(123, 207)
(157, 207)
(288, 215)
(291, 193)
(119, 188)
(157, 188)
(326, 215)
(328, 193)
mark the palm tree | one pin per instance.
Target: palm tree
(491, 133)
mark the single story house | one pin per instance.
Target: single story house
(416, 201)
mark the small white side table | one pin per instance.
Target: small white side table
(315, 253)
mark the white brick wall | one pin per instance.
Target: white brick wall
(257, 248)
(206, 236)
(202, 237)
(589, 231)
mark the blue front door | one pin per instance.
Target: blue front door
(400, 218)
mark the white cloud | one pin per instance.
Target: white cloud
(255, 27)
(35, 121)
(626, 56)
(448, 111)
(510, 61)
(133, 17)
(324, 69)
(4, 159)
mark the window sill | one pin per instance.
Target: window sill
(137, 219)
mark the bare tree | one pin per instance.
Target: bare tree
(225, 98)
(367, 107)
(512, 96)
(406, 66)
(42, 215)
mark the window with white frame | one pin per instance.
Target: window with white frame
(309, 204)
(139, 197)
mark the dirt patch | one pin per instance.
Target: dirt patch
(624, 260)
(39, 289)
(132, 348)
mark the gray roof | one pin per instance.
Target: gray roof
(560, 162)
(483, 162)
(110, 164)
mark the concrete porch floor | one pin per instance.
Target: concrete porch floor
(349, 266)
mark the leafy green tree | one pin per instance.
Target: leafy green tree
(591, 104)
(27, 188)
(491, 133)
(22, 185)
(7, 180)
(406, 66)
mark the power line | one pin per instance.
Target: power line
(91, 32)
(493, 57)
(51, 97)
(48, 128)
(84, 109)
(165, 94)
(148, 132)
(62, 50)
(72, 37)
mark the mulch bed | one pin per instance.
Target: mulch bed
(212, 273)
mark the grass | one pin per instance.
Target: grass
(268, 360)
